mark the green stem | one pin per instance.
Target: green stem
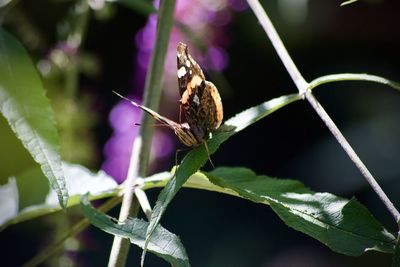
(141, 146)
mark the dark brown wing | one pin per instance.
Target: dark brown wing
(187, 67)
(202, 107)
(215, 111)
(200, 100)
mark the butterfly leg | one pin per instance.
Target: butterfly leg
(180, 113)
(208, 154)
(176, 158)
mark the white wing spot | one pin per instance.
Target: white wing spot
(188, 63)
(196, 100)
(181, 72)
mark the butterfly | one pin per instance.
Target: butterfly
(200, 103)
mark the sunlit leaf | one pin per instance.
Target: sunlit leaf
(345, 3)
(8, 200)
(24, 104)
(197, 157)
(343, 225)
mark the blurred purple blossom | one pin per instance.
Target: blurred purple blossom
(208, 20)
(118, 147)
(238, 5)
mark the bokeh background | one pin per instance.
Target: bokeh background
(83, 55)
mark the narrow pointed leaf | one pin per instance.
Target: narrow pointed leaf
(162, 243)
(24, 104)
(197, 157)
(345, 226)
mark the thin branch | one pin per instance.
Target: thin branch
(352, 154)
(141, 145)
(303, 88)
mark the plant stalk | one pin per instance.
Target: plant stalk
(352, 154)
(141, 146)
(304, 90)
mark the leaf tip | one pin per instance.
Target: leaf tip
(348, 2)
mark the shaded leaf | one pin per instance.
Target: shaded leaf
(162, 243)
(343, 225)
(24, 104)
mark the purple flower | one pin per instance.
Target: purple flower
(118, 147)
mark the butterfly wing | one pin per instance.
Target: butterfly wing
(182, 131)
(202, 107)
(200, 100)
(213, 107)
(170, 123)
(187, 68)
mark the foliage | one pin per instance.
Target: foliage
(27, 110)
(344, 225)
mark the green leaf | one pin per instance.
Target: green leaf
(8, 200)
(81, 181)
(162, 243)
(3, 4)
(197, 157)
(24, 104)
(40, 201)
(345, 226)
(33, 188)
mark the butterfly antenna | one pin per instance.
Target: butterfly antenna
(123, 97)
(154, 124)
